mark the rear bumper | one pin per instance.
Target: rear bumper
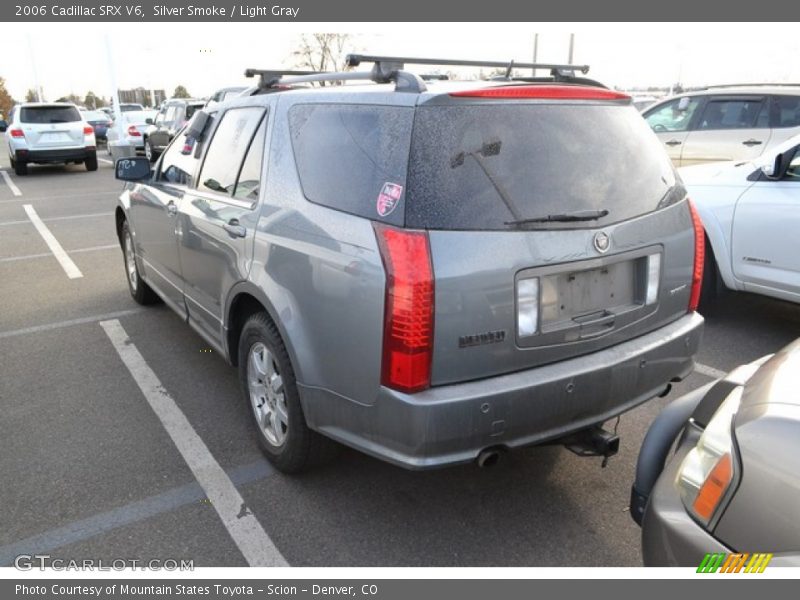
(56, 155)
(451, 424)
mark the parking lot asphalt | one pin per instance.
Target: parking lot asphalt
(89, 469)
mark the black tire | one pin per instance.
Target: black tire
(21, 167)
(712, 288)
(140, 291)
(91, 163)
(149, 151)
(13, 162)
(301, 448)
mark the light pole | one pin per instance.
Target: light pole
(119, 148)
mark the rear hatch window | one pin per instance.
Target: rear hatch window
(468, 162)
(49, 114)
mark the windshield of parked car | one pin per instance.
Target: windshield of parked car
(484, 166)
(130, 107)
(49, 114)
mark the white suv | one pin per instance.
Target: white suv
(49, 133)
(725, 122)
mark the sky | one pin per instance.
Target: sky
(74, 57)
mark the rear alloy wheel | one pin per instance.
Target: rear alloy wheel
(270, 390)
(140, 291)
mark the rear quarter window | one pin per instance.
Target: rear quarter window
(545, 159)
(786, 111)
(353, 158)
(49, 114)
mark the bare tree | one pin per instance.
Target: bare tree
(31, 96)
(322, 52)
(6, 102)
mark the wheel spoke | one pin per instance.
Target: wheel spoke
(283, 414)
(277, 429)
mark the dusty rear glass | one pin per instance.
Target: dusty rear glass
(49, 114)
(353, 157)
(546, 159)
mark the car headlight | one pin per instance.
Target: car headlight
(707, 471)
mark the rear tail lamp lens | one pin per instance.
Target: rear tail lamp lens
(16, 133)
(708, 469)
(408, 309)
(699, 258)
(132, 131)
(88, 130)
(527, 306)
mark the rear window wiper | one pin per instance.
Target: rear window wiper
(578, 215)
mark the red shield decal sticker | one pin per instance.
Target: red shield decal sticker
(389, 198)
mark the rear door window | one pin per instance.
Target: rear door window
(786, 111)
(469, 162)
(353, 158)
(49, 114)
(733, 114)
(227, 149)
(248, 184)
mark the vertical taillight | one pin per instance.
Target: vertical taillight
(408, 309)
(88, 130)
(699, 257)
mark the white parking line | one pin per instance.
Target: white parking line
(105, 160)
(70, 268)
(242, 525)
(14, 189)
(62, 218)
(709, 371)
(69, 323)
(62, 197)
(47, 254)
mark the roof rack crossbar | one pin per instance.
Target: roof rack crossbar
(268, 77)
(404, 81)
(354, 60)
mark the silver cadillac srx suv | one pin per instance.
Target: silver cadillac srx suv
(428, 272)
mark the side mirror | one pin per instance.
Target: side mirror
(777, 169)
(148, 121)
(3, 126)
(132, 169)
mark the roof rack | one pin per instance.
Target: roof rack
(269, 77)
(390, 69)
(399, 62)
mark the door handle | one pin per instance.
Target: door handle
(172, 209)
(234, 229)
(752, 142)
(673, 143)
